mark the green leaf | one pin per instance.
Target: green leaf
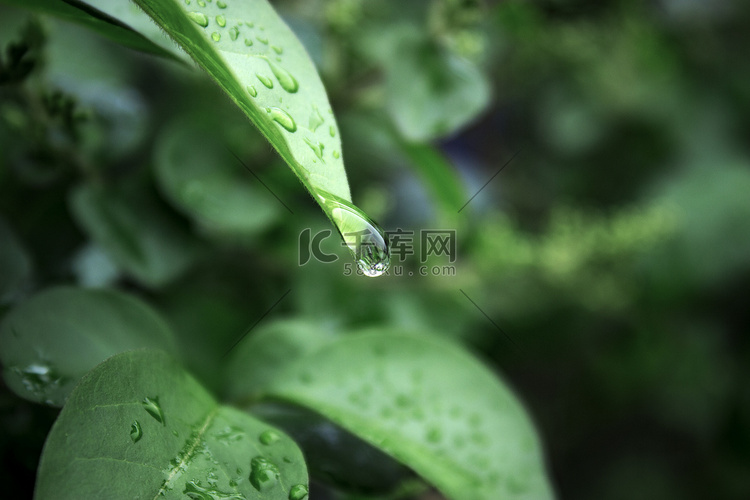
(429, 405)
(114, 19)
(15, 265)
(432, 92)
(257, 360)
(147, 242)
(202, 178)
(264, 69)
(138, 426)
(50, 341)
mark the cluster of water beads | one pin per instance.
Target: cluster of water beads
(365, 240)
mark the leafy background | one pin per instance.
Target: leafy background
(614, 250)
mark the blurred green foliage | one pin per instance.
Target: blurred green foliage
(614, 249)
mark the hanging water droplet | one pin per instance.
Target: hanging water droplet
(316, 147)
(234, 33)
(221, 20)
(332, 131)
(248, 42)
(199, 18)
(216, 36)
(286, 80)
(262, 39)
(221, 4)
(263, 473)
(277, 49)
(136, 433)
(316, 119)
(283, 118)
(151, 405)
(267, 82)
(298, 492)
(364, 238)
(251, 90)
(269, 437)
(336, 154)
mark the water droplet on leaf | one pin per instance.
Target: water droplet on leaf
(151, 405)
(267, 82)
(336, 154)
(248, 42)
(263, 473)
(251, 90)
(332, 131)
(283, 118)
(316, 147)
(366, 241)
(221, 4)
(298, 492)
(136, 433)
(286, 80)
(201, 3)
(316, 119)
(199, 18)
(221, 20)
(262, 39)
(234, 33)
(269, 437)
(216, 36)
(277, 49)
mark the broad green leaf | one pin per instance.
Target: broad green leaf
(50, 341)
(15, 265)
(138, 426)
(264, 69)
(429, 405)
(432, 92)
(116, 21)
(147, 242)
(257, 360)
(200, 176)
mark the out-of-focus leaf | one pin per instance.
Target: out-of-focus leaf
(264, 69)
(261, 357)
(15, 265)
(144, 240)
(431, 92)
(429, 405)
(50, 341)
(127, 27)
(206, 182)
(138, 426)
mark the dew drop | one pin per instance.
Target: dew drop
(234, 33)
(267, 82)
(251, 90)
(221, 4)
(286, 80)
(316, 147)
(262, 39)
(366, 241)
(196, 491)
(277, 49)
(248, 42)
(283, 118)
(336, 154)
(151, 405)
(332, 131)
(199, 18)
(263, 473)
(250, 24)
(269, 437)
(298, 492)
(216, 36)
(201, 3)
(316, 119)
(221, 20)
(136, 433)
